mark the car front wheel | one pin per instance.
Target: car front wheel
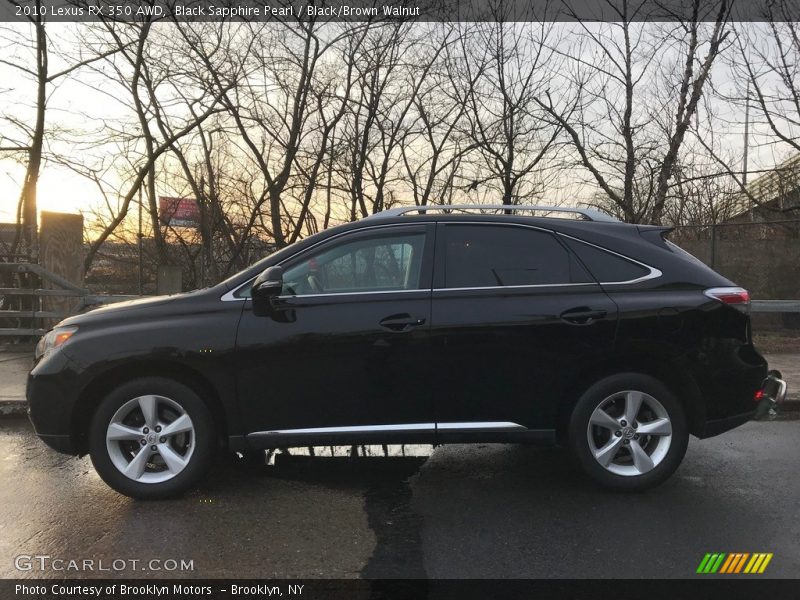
(628, 432)
(151, 438)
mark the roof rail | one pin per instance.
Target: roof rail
(589, 214)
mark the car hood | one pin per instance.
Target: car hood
(129, 308)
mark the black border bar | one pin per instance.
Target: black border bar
(705, 587)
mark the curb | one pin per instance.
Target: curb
(13, 407)
(789, 406)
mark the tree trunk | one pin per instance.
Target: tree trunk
(28, 200)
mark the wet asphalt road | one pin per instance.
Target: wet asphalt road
(464, 512)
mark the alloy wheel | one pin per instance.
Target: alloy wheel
(150, 439)
(629, 433)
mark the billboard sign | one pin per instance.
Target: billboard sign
(178, 212)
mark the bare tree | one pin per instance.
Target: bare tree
(767, 69)
(508, 63)
(380, 116)
(167, 106)
(437, 143)
(280, 129)
(273, 109)
(615, 119)
(31, 139)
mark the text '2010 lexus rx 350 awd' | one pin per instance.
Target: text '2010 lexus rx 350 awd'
(432, 325)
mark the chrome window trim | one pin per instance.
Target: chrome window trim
(402, 427)
(513, 287)
(340, 294)
(337, 294)
(230, 295)
(654, 272)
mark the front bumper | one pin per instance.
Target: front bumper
(59, 443)
(51, 402)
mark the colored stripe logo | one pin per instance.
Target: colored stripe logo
(734, 563)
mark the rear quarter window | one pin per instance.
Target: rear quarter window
(606, 266)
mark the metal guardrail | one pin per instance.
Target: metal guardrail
(41, 292)
(101, 299)
(775, 306)
(27, 312)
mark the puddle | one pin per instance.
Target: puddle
(384, 476)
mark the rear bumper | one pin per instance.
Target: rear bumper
(717, 426)
(772, 393)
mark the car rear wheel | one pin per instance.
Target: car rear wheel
(151, 438)
(628, 432)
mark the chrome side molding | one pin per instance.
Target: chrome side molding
(398, 428)
(489, 425)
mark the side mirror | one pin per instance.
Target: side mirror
(266, 287)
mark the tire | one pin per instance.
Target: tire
(624, 456)
(165, 420)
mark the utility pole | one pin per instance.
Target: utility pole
(747, 143)
(140, 237)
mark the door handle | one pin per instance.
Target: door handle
(401, 322)
(582, 315)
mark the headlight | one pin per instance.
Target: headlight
(53, 339)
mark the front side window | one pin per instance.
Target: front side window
(495, 255)
(383, 262)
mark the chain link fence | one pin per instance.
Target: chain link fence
(763, 257)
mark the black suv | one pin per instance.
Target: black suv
(442, 324)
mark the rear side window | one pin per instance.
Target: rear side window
(607, 267)
(495, 255)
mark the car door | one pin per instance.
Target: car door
(347, 350)
(515, 317)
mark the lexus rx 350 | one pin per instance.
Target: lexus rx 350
(419, 325)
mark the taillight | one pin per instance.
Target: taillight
(734, 296)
